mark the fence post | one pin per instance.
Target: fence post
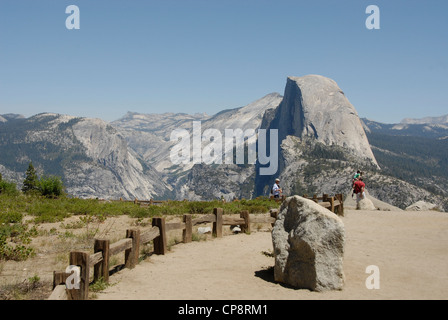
(340, 197)
(246, 227)
(131, 255)
(160, 241)
(217, 225)
(332, 204)
(315, 198)
(81, 259)
(59, 277)
(101, 269)
(187, 233)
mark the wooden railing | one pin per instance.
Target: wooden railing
(135, 238)
(145, 203)
(334, 204)
(103, 250)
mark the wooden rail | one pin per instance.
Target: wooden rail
(334, 204)
(103, 250)
(130, 245)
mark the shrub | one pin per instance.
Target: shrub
(8, 188)
(11, 227)
(51, 186)
(10, 217)
(47, 210)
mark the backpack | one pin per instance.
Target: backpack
(357, 188)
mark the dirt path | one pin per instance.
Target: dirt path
(409, 248)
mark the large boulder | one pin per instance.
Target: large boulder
(308, 245)
(365, 204)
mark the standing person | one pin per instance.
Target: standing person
(355, 178)
(359, 189)
(276, 190)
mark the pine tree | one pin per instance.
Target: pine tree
(30, 184)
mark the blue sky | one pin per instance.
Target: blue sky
(193, 56)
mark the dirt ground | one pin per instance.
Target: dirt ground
(410, 250)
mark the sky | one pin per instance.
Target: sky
(195, 56)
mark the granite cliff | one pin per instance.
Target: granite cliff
(89, 155)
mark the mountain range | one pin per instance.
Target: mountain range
(319, 142)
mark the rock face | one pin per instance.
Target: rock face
(321, 138)
(308, 245)
(421, 206)
(314, 106)
(119, 172)
(149, 136)
(90, 156)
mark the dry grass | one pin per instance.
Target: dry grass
(54, 241)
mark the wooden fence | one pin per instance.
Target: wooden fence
(334, 204)
(135, 238)
(103, 250)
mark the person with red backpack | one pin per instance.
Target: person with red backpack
(354, 179)
(359, 188)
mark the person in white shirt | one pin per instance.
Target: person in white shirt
(276, 190)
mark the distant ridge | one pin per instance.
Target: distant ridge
(427, 120)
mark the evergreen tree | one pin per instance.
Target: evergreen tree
(31, 183)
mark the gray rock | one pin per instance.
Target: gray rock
(314, 106)
(421, 206)
(203, 230)
(365, 204)
(90, 155)
(350, 202)
(308, 245)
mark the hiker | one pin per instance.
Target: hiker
(359, 189)
(276, 190)
(355, 178)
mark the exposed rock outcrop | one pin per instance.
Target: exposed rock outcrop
(314, 106)
(308, 245)
(365, 204)
(421, 206)
(90, 156)
(321, 138)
